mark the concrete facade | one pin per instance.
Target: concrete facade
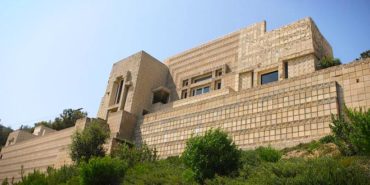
(262, 87)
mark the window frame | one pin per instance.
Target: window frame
(269, 73)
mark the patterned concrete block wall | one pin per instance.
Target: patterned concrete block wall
(282, 113)
(37, 153)
(208, 56)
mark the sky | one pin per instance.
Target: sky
(58, 54)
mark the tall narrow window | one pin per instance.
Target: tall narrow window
(118, 92)
(218, 85)
(286, 69)
(184, 94)
(218, 72)
(185, 83)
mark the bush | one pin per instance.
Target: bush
(326, 62)
(268, 154)
(311, 172)
(134, 155)
(89, 142)
(61, 175)
(5, 182)
(102, 171)
(365, 54)
(168, 171)
(35, 178)
(327, 139)
(352, 131)
(213, 153)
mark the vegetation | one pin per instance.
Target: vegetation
(66, 119)
(352, 131)
(268, 154)
(102, 171)
(363, 55)
(214, 159)
(89, 142)
(326, 62)
(64, 175)
(4, 132)
(134, 155)
(213, 153)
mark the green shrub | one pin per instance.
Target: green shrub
(61, 175)
(268, 154)
(102, 171)
(168, 171)
(250, 157)
(134, 155)
(5, 182)
(365, 54)
(309, 172)
(327, 139)
(89, 142)
(352, 131)
(326, 62)
(213, 153)
(34, 178)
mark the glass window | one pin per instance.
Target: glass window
(206, 89)
(200, 91)
(269, 77)
(118, 92)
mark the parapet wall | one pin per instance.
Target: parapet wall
(281, 114)
(38, 153)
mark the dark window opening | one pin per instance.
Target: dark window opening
(219, 72)
(218, 85)
(145, 112)
(286, 70)
(185, 83)
(160, 96)
(269, 77)
(184, 94)
(119, 92)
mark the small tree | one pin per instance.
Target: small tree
(352, 131)
(365, 54)
(213, 153)
(102, 171)
(89, 142)
(326, 62)
(134, 155)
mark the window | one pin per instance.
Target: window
(118, 92)
(145, 112)
(184, 94)
(219, 72)
(202, 78)
(218, 85)
(269, 77)
(185, 83)
(286, 69)
(199, 91)
(160, 96)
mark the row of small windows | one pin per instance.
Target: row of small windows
(201, 90)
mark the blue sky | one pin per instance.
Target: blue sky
(58, 54)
